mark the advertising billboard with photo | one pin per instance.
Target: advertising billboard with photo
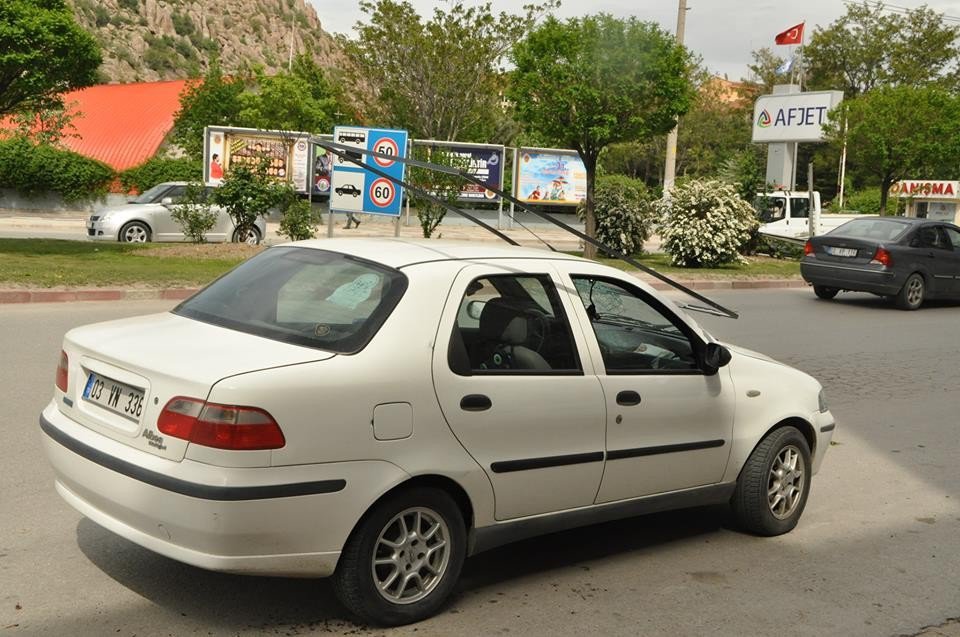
(286, 153)
(550, 176)
(483, 161)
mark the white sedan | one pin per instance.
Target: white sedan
(378, 410)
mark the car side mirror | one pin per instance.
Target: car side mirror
(715, 356)
(475, 309)
(166, 201)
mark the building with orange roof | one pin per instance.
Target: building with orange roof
(122, 125)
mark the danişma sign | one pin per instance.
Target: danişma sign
(793, 117)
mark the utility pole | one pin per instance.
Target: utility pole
(670, 166)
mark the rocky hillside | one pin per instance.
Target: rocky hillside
(146, 40)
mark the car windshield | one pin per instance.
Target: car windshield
(871, 228)
(151, 194)
(314, 298)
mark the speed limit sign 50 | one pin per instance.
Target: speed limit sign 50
(386, 146)
(382, 192)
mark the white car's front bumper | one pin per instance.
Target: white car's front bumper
(100, 230)
(289, 521)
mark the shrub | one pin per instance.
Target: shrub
(247, 193)
(865, 201)
(442, 185)
(36, 168)
(157, 170)
(299, 221)
(705, 223)
(624, 213)
(194, 214)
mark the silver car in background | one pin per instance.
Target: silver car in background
(147, 218)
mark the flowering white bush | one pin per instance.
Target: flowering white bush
(624, 213)
(704, 223)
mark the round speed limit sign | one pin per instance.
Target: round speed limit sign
(386, 146)
(382, 192)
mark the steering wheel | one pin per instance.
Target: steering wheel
(538, 327)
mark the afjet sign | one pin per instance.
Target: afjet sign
(793, 117)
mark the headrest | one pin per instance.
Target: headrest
(496, 318)
(516, 332)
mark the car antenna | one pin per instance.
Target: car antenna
(343, 152)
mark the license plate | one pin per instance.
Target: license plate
(842, 252)
(114, 396)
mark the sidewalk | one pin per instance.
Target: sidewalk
(370, 227)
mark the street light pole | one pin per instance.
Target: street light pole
(670, 165)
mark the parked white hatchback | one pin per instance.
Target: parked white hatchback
(147, 218)
(378, 410)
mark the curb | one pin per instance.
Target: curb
(176, 294)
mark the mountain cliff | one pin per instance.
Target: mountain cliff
(146, 40)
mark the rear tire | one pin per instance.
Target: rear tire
(774, 483)
(912, 293)
(251, 237)
(404, 558)
(823, 292)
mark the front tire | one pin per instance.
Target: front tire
(251, 236)
(823, 292)
(772, 490)
(403, 560)
(135, 232)
(912, 293)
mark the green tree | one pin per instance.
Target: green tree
(43, 53)
(764, 69)
(212, 101)
(899, 132)
(439, 78)
(286, 101)
(194, 214)
(247, 192)
(869, 46)
(589, 82)
(444, 186)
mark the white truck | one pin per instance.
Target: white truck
(787, 214)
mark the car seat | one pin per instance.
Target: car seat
(503, 337)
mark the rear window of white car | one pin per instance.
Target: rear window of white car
(315, 298)
(871, 228)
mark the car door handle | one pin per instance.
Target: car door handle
(628, 398)
(475, 402)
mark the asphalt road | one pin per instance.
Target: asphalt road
(876, 553)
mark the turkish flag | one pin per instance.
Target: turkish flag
(793, 35)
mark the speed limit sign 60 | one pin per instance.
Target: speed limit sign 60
(382, 192)
(386, 146)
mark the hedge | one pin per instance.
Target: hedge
(38, 168)
(157, 170)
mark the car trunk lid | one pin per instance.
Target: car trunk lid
(122, 373)
(844, 250)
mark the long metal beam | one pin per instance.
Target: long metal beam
(342, 150)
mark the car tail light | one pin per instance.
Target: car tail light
(221, 426)
(882, 257)
(62, 371)
(807, 249)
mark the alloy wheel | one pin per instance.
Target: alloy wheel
(411, 555)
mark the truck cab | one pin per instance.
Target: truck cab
(786, 213)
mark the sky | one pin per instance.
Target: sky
(722, 32)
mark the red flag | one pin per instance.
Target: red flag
(793, 35)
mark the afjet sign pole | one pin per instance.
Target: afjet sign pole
(355, 189)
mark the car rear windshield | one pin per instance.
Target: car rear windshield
(315, 298)
(876, 229)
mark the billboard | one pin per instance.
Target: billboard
(793, 117)
(484, 163)
(322, 167)
(550, 176)
(287, 154)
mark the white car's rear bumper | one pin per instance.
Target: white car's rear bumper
(289, 521)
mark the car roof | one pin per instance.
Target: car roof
(397, 253)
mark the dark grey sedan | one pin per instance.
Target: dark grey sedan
(910, 260)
